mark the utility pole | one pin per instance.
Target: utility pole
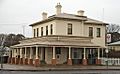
(103, 15)
(23, 29)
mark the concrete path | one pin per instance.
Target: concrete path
(12, 67)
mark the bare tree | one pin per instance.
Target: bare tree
(113, 28)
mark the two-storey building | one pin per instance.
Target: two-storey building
(62, 39)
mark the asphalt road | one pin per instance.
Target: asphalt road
(61, 72)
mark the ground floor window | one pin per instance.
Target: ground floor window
(58, 50)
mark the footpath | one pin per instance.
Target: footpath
(11, 67)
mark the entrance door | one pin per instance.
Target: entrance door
(58, 55)
(91, 56)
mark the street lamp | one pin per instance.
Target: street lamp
(107, 56)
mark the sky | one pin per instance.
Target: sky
(16, 15)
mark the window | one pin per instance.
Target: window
(41, 31)
(90, 31)
(51, 29)
(58, 50)
(46, 30)
(37, 32)
(98, 32)
(34, 32)
(76, 54)
(69, 28)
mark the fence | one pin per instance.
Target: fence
(110, 61)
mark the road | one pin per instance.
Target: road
(61, 72)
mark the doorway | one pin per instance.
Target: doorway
(91, 57)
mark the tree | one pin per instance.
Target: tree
(11, 39)
(111, 28)
(2, 39)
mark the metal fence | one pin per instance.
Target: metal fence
(110, 61)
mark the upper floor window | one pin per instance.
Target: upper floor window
(41, 31)
(34, 32)
(51, 29)
(90, 31)
(46, 30)
(69, 28)
(98, 32)
(37, 32)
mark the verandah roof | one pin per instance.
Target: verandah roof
(56, 40)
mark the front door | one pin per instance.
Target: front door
(91, 57)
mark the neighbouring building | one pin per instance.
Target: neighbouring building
(62, 39)
(113, 37)
(115, 46)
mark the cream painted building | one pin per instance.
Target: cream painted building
(115, 46)
(62, 39)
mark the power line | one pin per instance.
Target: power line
(13, 23)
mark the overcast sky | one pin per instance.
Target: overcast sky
(14, 14)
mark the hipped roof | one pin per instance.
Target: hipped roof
(67, 16)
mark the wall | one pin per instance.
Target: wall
(62, 26)
(48, 55)
(62, 57)
(96, 40)
(44, 28)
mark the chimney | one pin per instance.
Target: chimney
(80, 13)
(44, 15)
(58, 8)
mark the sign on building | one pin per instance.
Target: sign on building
(108, 38)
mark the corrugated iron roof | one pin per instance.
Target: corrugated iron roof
(58, 41)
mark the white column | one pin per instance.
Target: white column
(53, 53)
(12, 52)
(84, 54)
(21, 55)
(31, 52)
(98, 53)
(69, 53)
(9, 53)
(36, 52)
(16, 52)
(25, 52)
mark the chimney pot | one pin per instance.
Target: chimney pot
(80, 13)
(44, 15)
(58, 8)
